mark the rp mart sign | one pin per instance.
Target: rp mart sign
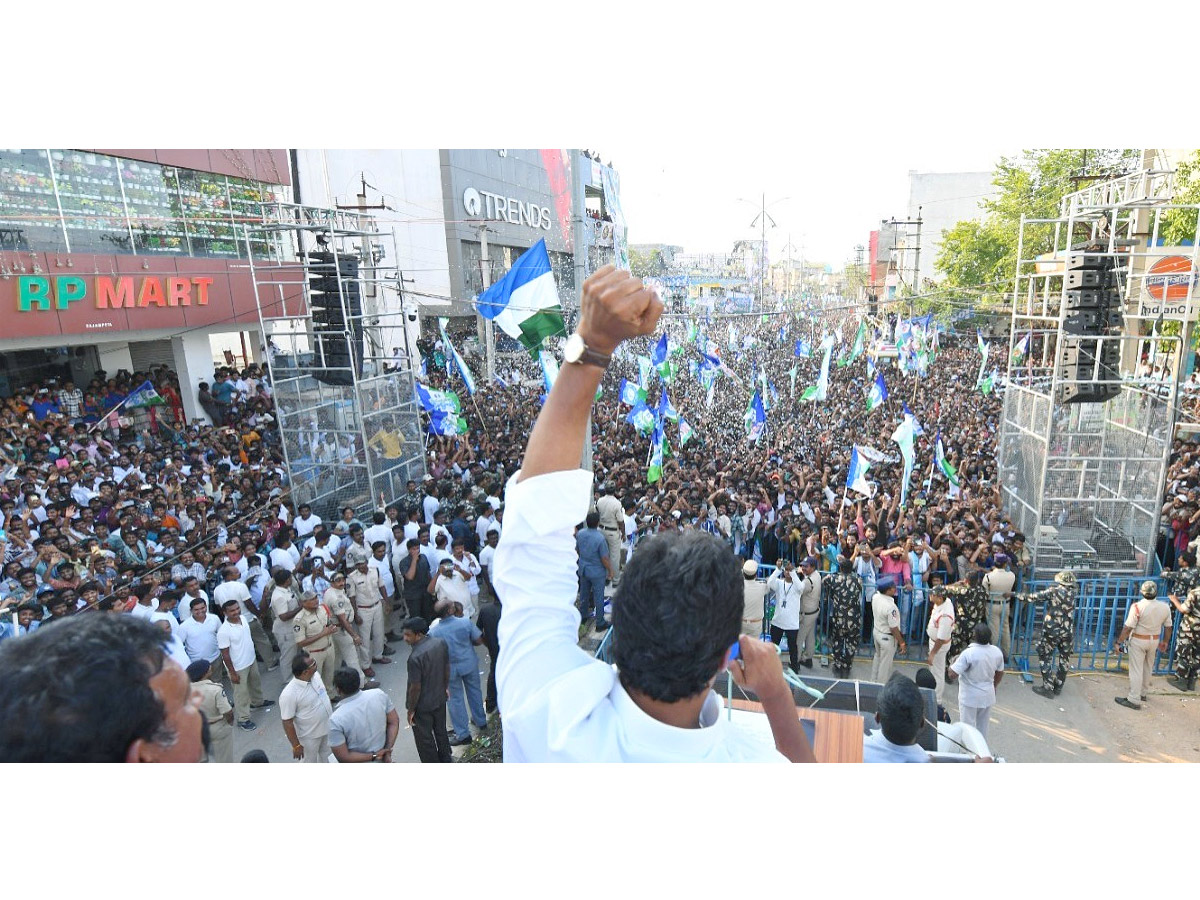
(43, 296)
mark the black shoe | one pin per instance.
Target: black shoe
(1123, 702)
(1179, 684)
(388, 651)
(460, 743)
(602, 625)
(1043, 691)
(1191, 683)
(807, 663)
(1058, 690)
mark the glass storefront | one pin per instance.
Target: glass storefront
(61, 201)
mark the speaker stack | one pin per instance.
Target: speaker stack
(1091, 310)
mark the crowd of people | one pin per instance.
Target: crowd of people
(113, 507)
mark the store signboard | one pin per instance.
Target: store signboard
(119, 294)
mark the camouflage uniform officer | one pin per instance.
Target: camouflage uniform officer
(1058, 631)
(970, 601)
(1187, 645)
(844, 591)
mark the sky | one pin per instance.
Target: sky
(824, 200)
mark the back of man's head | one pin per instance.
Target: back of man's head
(80, 691)
(593, 519)
(901, 710)
(346, 681)
(677, 612)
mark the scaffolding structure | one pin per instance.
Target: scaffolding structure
(332, 310)
(1084, 481)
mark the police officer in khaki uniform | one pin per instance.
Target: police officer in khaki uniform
(314, 634)
(612, 526)
(1143, 625)
(887, 628)
(754, 593)
(346, 639)
(366, 590)
(217, 712)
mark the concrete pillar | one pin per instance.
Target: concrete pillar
(114, 357)
(193, 363)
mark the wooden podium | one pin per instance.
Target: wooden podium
(838, 735)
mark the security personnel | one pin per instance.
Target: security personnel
(314, 633)
(612, 526)
(970, 607)
(1142, 628)
(1187, 647)
(754, 593)
(886, 632)
(366, 590)
(810, 609)
(844, 591)
(939, 631)
(346, 639)
(285, 605)
(217, 712)
(1058, 630)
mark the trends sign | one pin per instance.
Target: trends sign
(486, 205)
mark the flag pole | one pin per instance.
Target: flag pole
(478, 413)
(842, 510)
(111, 412)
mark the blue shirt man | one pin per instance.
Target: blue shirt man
(461, 636)
(594, 567)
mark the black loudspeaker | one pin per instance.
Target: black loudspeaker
(1079, 362)
(1088, 278)
(336, 305)
(1091, 298)
(1092, 321)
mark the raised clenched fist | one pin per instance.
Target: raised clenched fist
(616, 306)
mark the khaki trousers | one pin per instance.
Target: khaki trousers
(316, 749)
(1141, 665)
(998, 621)
(613, 539)
(326, 661)
(246, 692)
(371, 632)
(885, 652)
(347, 655)
(939, 669)
(752, 627)
(808, 634)
(220, 738)
(287, 647)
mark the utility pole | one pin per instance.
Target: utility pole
(489, 334)
(368, 268)
(916, 271)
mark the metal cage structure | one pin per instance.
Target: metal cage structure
(330, 306)
(1084, 480)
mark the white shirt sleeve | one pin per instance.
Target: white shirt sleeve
(534, 570)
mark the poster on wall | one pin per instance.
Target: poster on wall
(612, 203)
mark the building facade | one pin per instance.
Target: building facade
(122, 259)
(944, 199)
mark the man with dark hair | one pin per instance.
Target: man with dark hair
(489, 626)
(428, 691)
(364, 726)
(305, 709)
(980, 666)
(595, 565)
(462, 636)
(215, 708)
(900, 712)
(677, 612)
(237, 652)
(415, 570)
(96, 689)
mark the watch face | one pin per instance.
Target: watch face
(574, 349)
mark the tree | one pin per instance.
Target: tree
(1179, 225)
(983, 254)
(647, 265)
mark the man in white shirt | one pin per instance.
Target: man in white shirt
(939, 631)
(285, 555)
(900, 712)
(305, 523)
(379, 530)
(449, 583)
(237, 650)
(561, 704)
(305, 708)
(232, 589)
(784, 583)
(485, 521)
(430, 504)
(980, 666)
(199, 635)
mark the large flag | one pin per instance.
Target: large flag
(1021, 350)
(987, 384)
(944, 464)
(524, 303)
(144, 395)
(903, 436)
(755, 417)
(856, 478)
(983, 349)
(660, 351)
(857, 349)
(803, 348)
(438, 401)
(665, 409)
(456, 357)
(656, 456)
(821, 388)
(685, 431)
(447, 424)
(631, 394)
(916, 426)
(877, 394)
(642, 418)
(981, 343)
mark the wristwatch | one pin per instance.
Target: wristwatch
(579, 353)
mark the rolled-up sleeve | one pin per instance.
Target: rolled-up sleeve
(535, 574)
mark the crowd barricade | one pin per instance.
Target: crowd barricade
(1100, 611)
